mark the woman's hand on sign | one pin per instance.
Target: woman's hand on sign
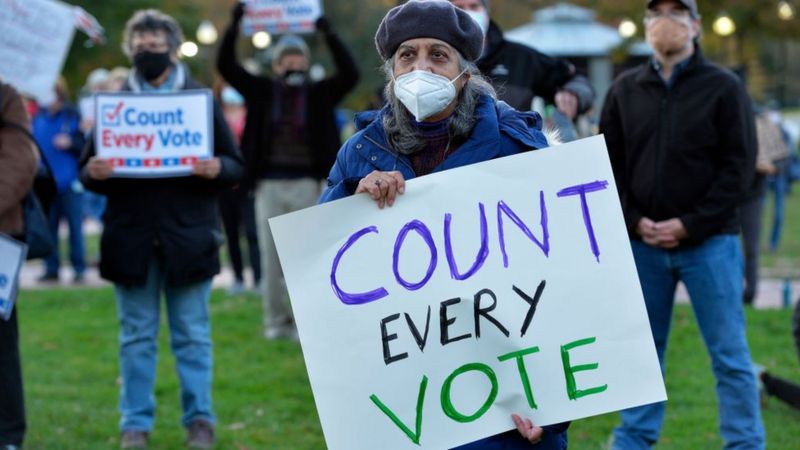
(99, 169)
(207, 168)
(527, 429)
(383, 187)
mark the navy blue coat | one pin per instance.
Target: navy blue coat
(500, 131)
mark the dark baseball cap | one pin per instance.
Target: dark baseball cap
(691, 5)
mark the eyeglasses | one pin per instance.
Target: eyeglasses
(675, 14)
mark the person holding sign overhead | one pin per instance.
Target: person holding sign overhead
(162, 235)
(18, 162)
(441, 113)
(682, 143)
(289, 142)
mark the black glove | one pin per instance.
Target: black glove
(324, 25)
(237, 12)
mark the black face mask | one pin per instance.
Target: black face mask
(150, 64)
(294, 77)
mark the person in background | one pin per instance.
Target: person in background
(771, 151)
(681, 139)
(779, 181)
(18, 164)
(289, 142)
(441, 113)
(519, 73)
(162, 236)
(97, 81)
(57, 130)
(237, 205)
(117, 78)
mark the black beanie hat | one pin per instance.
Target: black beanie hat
(436, 19)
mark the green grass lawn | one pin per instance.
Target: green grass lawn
(261, 391)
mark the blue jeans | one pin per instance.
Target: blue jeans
(138, 309)
(779, 184)
(69, 205)
(712, 273)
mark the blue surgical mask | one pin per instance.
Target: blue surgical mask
(231, 96)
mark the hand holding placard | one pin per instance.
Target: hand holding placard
(428, 324)
(99, 169)
(207, 168)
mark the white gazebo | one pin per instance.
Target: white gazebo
(569, 31)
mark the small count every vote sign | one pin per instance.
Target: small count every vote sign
(154, 135)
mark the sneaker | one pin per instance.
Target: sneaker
(10, 447)
(200, 435)
(48, 277)
(288, 332)
(134, 439)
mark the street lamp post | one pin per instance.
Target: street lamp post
(206, 33)
(627, 28)
(261, 40)
(785, 11)
(724, 27)
(207, 36)
(786, 14)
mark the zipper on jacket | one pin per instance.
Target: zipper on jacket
(663, 128)
(395, 155)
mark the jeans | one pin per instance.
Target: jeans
(712, 273)
(94, 205)
(69, 205)
(779, 184)
(12, 404)
(138, 309)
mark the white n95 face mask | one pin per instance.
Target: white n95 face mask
(424, 93)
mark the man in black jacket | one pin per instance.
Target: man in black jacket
(681, 139)
(519, 73)
(163, 235)
(289, 143)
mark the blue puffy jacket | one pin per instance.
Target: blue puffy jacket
(500, 131)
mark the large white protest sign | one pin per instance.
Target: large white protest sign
(281, 16)
(500, 287)
(12, 256)
(34, 40)
(154, 135)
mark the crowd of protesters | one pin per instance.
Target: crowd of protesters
(692, 158)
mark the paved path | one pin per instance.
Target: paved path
(770, 290)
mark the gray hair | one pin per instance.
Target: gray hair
(401, 133)
(152, 20)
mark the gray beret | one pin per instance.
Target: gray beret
(436, 19)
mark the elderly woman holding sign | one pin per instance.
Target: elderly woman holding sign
(440, 114)
(162, 235)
